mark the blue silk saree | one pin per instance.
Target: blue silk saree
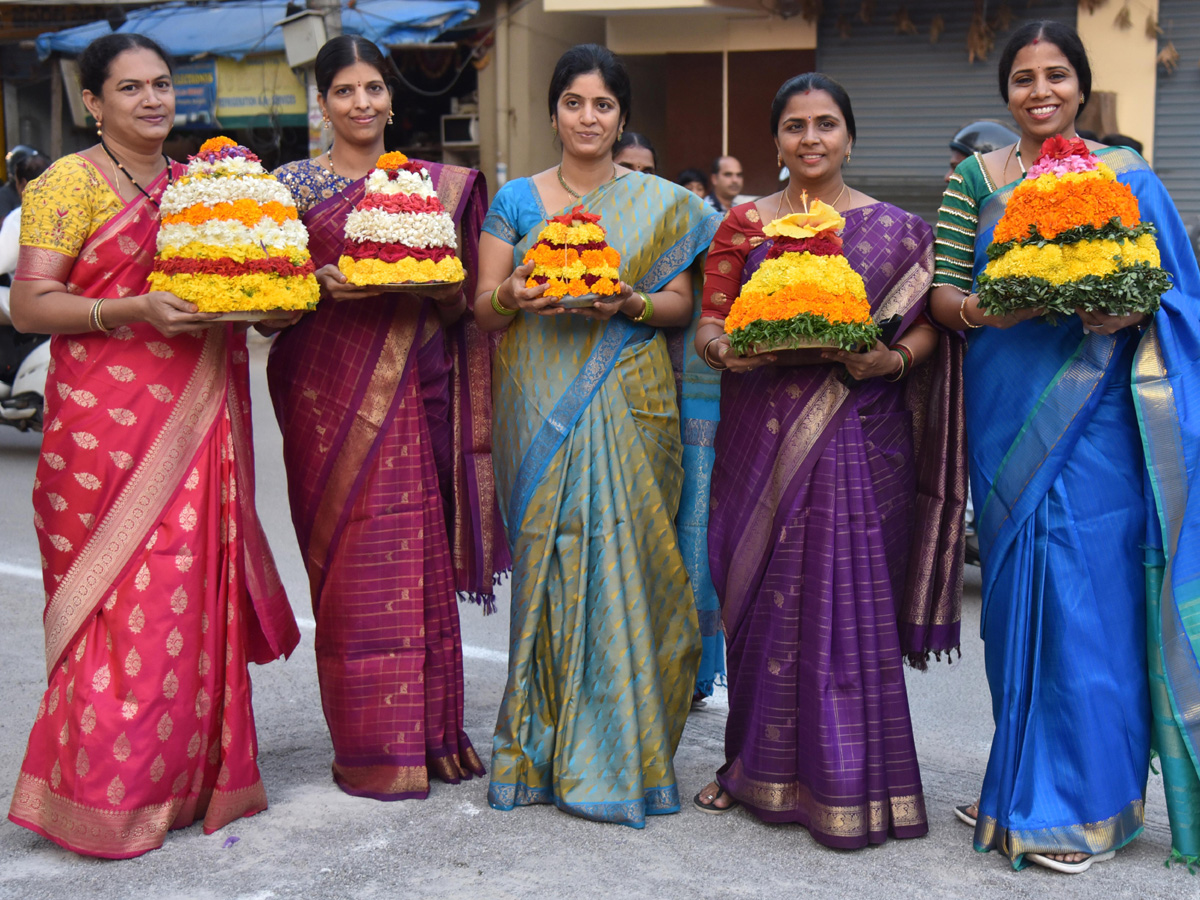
(604, 643)
(1081, 450)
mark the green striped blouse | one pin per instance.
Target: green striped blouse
(957, 222)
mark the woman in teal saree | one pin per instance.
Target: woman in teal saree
(1081, 443)
(604, 642)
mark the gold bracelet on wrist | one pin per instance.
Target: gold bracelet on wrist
(647, 310)
(962, 312)
(704, 355)
(499, 307)
(95, 321)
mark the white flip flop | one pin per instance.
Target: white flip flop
(1069, 868)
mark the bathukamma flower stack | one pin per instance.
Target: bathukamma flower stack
(400, 233)
(230, 239)
(805, 294)
(1072, 237)
(572, 257)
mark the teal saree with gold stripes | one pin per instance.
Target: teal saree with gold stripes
(604, 642)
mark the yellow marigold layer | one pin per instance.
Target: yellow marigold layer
(578, 233)
(1058, 203)
(376, 271)
(246, 211)
(257, 291)
(576, 287)
(1061, 263)
(798, 283)
(237, 252)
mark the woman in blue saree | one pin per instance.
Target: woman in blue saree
(1080, 443)
(603, 637)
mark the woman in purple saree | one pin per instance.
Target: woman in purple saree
(385, 407)
(835, 531)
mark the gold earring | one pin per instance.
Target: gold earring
(325, 124)
(847, 156)
(390, 119)
(779, 160)
(99, 129)
(620, 134)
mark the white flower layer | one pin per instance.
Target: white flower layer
(224, 232)
(405, 183)
(410, 229)
(211, 191)
(235, 165)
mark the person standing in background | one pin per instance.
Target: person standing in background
(725, 183)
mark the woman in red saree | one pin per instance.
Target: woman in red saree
(385, 407)
(160, 585)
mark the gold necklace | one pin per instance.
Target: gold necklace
(566, 187)
(787, 195)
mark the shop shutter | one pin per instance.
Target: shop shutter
(910, 96)
(1177, 108)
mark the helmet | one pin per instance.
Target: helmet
(982, 137)
(17, 153)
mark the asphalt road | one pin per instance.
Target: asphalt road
(316, 842)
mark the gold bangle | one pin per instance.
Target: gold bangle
(647, 310)
(903, 366)
(704, 355)
(500, 307)
(95, 322)
(962, 312)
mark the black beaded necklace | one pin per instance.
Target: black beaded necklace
(141, 190)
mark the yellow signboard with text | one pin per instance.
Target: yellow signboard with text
(256, 92)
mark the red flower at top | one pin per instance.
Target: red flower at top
(1058, 147)
(576, 215)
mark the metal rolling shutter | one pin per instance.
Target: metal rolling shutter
(1177, 108)
(910, 96)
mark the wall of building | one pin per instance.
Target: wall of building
(1123, 62)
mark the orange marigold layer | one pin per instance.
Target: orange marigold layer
(248, 212)
(391, 161)
(1070, 204)
(795, 300)
(545, 255)
(216, 144)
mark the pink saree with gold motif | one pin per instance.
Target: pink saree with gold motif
(160, 586)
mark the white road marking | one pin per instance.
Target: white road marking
(20, 571)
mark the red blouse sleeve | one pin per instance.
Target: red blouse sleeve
(739, 233)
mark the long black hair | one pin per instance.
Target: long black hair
(344, 51)
(584, 58)
(96, 60)
(813, 81)
(1064, 37)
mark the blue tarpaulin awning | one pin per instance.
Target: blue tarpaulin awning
(237, 28)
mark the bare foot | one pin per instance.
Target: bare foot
(709, 795)
(1066, 857)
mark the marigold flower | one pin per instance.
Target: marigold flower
(391, 161)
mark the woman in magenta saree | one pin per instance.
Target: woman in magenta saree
(835, 535)
(160, 586)
(386, 420)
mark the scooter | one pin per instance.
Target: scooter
(25, 365)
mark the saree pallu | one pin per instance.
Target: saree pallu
(603, 638)
(1086, 494)
(700, 410)
(160, 585)
(386, 422)
(826, 527)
